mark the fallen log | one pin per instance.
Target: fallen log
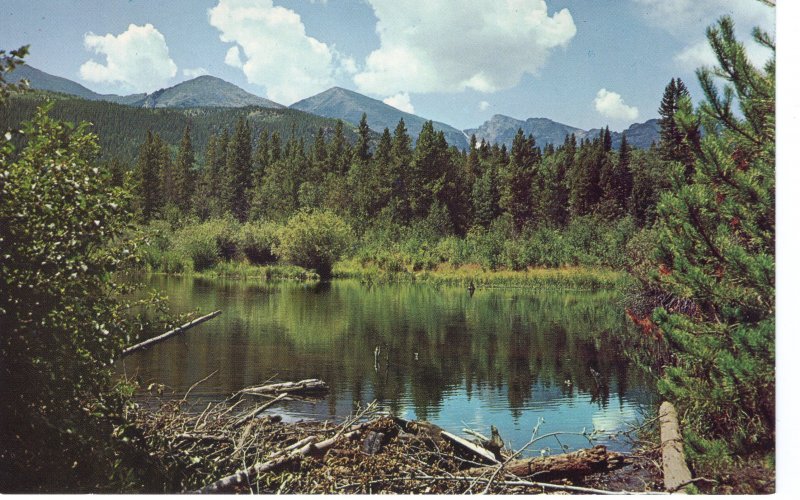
(155, 340)
(573, 465)
(676, 474)
(258, 410)
(435, 433)
(279, 460)
(474, 448)
(308, 386)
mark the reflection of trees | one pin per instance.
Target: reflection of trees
(514, 339)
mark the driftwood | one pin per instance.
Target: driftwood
(308, 386)
(676, 473)
(573, 465)
(258, 410)
(474, 448)
(171, 333)
(279, 460)
(436, 433)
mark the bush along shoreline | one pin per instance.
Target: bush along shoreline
(317, 244)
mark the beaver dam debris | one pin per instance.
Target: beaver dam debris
(232, 446)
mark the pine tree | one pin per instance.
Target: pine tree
(716, 257)
(238, 171)
(401, 160)
(166, 169)
(362, 153)
(425, 175)
(147, 186)
(262, 159)
(516, 182)
(184, 173)
(674, 143)
(616, 181)
(338, 154)
(485, 198)
(585, 191)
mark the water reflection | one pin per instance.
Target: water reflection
(502, 357)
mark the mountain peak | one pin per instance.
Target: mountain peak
(205, 91)
(348, 105)
(202, 91)
(501, 129)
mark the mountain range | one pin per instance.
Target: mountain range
(337, 103)
(348, 106)
(501, 129)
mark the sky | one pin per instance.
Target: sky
(584, 63)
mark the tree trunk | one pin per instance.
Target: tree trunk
(171, 333)
(308, 386)
(673, 462)
(573, 465)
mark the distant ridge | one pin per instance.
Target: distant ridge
(501, 129)
(203, 91)
(40, 80)
(347, 105)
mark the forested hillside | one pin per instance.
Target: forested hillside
(121, 129)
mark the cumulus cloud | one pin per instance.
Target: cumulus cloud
(688, 19)
(611, 105)
(136, 60)
(233, 58)
(435, 46)
(700, 54)
(194, 72)
(401, 101)
(276, 52)
(483, 105)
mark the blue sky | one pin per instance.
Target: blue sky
(583, 63)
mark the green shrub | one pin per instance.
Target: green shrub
(208, 243)
(258, 241)
(315, 239)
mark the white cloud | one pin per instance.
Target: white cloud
(401, 101)
(432, 46)
(690, 18)
(483, 105)
(276, 52)
(687, 20)
(701, 54)
(194, 72)
(611, 105)
(136, 60)
(233, 58)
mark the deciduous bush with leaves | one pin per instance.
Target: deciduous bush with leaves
(62, 423)
(315, 239)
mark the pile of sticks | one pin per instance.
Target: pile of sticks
(234, 446)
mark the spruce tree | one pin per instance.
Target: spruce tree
(338, 154)
(362, 153)
(238, 171)
(674, 143)
(147, 187)
(184, 172)
(401, 159)
(261, 159)
(516, 195)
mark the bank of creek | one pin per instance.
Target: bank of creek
(515, 359)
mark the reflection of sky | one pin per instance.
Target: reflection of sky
(486, 406)
(501, 357)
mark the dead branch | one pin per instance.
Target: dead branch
(573, 465)
(155, 340)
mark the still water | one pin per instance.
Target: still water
(506, 357)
